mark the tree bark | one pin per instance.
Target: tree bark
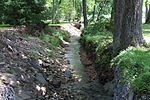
(53, 14)
(146, 9)
(148, 16)
(94, 10)
(84, 13)
(127, 24)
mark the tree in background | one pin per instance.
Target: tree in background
(127, 24)
(23, 12)
(147, 13)
(84, 13)
(1, 11)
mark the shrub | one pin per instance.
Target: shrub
(96, 27)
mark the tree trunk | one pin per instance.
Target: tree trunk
(94, 10)
(112, 19)
(84, 13)
(148, 17)
(127, 24)
(53, 14)
(146, 9)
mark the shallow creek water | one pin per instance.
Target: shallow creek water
(72, 54)
(85, 88)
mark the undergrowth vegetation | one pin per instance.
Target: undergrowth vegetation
(53, 36)
(99, 35)
(97, 40)
(135, 65)
(134, 62)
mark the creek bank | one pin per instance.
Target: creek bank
(123, 91)
(103, 68)
(29, 71)
(110, 76)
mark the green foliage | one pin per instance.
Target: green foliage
(146, 29)
(97, 27)
(23, 12)
(4, 25)
(27, 35)
(142, 83)
(49, 52)
(67, 10)
(98, 34)
(101, 38)
(35, 55)
(135, 65)
(10, 71)
(55, 37)
(102, 9)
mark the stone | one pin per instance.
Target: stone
(67, 74)
(40, 78)
(56, 83)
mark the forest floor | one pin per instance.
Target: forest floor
(27, 69)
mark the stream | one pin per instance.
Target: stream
(85, 88)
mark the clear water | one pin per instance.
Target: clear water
(73, 55)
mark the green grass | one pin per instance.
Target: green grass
(10, 71)
(100, 39)
(135, 65)
(62, 23)
(146, 30)
(5, 25)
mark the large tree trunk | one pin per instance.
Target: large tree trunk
(84, 13)
(148, 16)
(128, 24)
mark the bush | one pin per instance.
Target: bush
(23, 12)
(96, 27)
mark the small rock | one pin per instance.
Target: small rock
(2, 64)
(56, 83)
(39, 77)
(67, 74)
(45, 65)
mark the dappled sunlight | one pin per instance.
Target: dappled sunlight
(73, 31)
(146, 30)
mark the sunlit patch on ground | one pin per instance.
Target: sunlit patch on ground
(146, 32)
